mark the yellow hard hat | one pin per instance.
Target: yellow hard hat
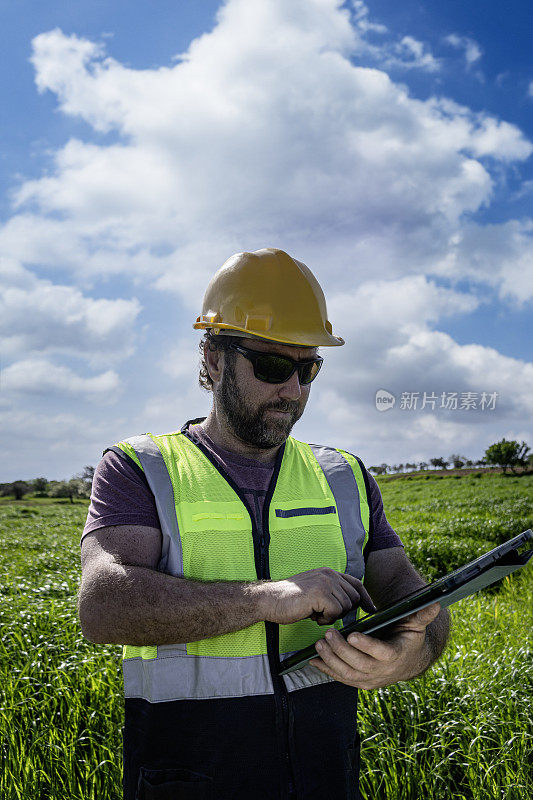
(270, 295)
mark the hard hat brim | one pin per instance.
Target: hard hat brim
(327, 340)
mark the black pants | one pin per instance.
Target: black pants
(234, 750)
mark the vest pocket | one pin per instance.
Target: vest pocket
(173, 784)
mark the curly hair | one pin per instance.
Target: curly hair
(214, 343)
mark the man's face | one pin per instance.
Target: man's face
(262, 414)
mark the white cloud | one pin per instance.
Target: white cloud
(37, 316)
(280, 127)
(182, 360)
(471, 49)
(410, 53)
(390, 341)
(263, 132)
(413, 300)
(499, 254)
(40, 376)
(391, 346)
(404, 53)
(361, 20)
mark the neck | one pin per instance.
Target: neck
(220, 433)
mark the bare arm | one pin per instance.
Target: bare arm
(124, 599)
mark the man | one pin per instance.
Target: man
(213, 551)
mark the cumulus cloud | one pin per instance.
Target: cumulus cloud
(40, 376)
(500, 255)
(263, 131)
(391, 344)
(280, 127)
(389, 329)
(37, 316)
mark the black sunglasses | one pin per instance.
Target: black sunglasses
(273, 368)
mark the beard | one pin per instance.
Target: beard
(255, 426)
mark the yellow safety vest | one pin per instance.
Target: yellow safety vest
(316, 514)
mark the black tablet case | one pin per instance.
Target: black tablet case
(488, 568)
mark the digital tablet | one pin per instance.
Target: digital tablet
(487, 569)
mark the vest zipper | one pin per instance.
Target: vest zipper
(272, 635)
(261, 539)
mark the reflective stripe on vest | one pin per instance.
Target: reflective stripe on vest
(318, 516)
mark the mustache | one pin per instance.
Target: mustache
(288, 406)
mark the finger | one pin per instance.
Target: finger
(421, 619)
(347, 597)
(428, 614)
(377, 649)
(335, 666)
(358, 597)
(356, 658)
(365, 601)
(331, 612)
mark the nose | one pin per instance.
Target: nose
(291, 389)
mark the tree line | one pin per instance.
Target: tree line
(78, 486)
(505, 454)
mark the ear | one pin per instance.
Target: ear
(214, 360)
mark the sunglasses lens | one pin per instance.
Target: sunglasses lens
(309, 372)
(276, 369)
(272, 369)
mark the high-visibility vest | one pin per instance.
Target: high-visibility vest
(316, 514)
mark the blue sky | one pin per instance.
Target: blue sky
(386, 145)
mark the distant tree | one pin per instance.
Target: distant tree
(423, 465)
(469, 463)
(40, 486)
(438, 463)
(507, 454)
(378, 470)
(75, 487)
(410, 466)
(457, 460)
(19, 489)
(86, 475)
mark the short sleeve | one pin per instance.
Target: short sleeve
(383, 535)
(119, 496)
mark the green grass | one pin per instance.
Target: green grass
(464, 730)
(61, 708)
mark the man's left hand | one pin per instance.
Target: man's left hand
(369, 663)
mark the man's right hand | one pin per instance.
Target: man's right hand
(323, 595)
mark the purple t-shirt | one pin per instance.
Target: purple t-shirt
(121, 497)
